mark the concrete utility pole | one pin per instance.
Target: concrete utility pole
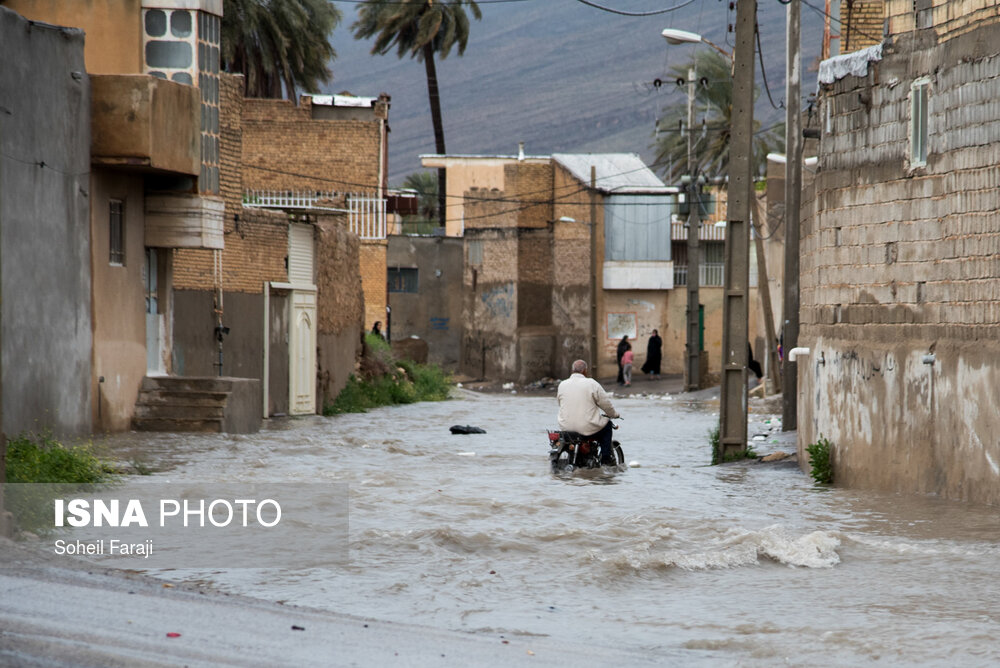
(793, 198)
(593, 271)
(735, 310)
(764, 291)
(694, 251)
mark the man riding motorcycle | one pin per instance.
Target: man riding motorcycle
(581, 402)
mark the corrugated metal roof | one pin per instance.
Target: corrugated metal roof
(615, 172)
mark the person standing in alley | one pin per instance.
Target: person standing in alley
(627, 365)
(621, 351)
(654, 356)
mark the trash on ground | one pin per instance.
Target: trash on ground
(466, 429)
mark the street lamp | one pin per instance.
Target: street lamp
(675, 37)
(692, 347)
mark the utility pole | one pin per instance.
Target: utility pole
(693, 249)
(793, 198)
(764, 291)
(593, 271)
(735, 311)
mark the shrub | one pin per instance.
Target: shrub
(821, 460)
(43, 459)
(385, 381)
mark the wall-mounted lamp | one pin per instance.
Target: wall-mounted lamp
(928, 359)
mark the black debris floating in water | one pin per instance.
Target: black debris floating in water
(466, 429)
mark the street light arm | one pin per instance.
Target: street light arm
(674, 36)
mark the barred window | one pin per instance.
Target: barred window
(116, 232)
(402, 279)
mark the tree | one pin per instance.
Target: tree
(713, 120)
(420, 28)
(425, 183)
(279, 46)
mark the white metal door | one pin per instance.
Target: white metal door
(302, 351)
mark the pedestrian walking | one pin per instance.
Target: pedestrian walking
(621, 351)
(654, 356)
(627, 365)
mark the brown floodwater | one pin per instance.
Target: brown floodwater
(745, 563)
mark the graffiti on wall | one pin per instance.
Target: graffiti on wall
(499, 301)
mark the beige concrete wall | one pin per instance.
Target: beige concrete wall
(466, 174)
(113, 43)
(119, 307)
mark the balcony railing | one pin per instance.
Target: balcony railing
(367, 212)
(710, 274)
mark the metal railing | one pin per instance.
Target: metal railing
(711, 274)
(367, 212)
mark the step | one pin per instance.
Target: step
(182, 398)
(175, 424)
(156, 410)
(187, 383)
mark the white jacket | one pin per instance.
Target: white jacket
(581, 401)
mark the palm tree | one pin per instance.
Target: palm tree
(713, 109)
(279, 46)
(425, 184)
(420, 28)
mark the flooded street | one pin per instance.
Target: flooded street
(745, 563)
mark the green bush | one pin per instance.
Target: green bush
(821, 460)
(43, 459)
(386, 381)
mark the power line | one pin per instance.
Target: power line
(621, 12)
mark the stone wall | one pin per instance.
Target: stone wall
(900, 261)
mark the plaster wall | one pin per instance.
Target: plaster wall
(45, 280)
(435, 313)
(113, 29)
(119, 307)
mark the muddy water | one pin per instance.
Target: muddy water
(737, 564)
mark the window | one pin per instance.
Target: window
(116, 232)
(402, 279)
(919, 94)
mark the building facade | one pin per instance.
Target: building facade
(900, 242)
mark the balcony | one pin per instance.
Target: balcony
(175, 220)
(144, 122)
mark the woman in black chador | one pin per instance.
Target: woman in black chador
(654, 356)
(622, 347)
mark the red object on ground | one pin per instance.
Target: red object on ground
(173, 634)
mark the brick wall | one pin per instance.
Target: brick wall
(285, 148)
(373, 278)
(900, 261)
(257, 243)
(861, 24)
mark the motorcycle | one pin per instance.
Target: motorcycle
(569, 450)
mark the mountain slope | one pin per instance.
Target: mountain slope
(556, 74)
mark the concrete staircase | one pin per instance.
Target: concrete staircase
(198, 404)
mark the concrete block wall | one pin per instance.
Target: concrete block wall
(950, 18)
(900, 261)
